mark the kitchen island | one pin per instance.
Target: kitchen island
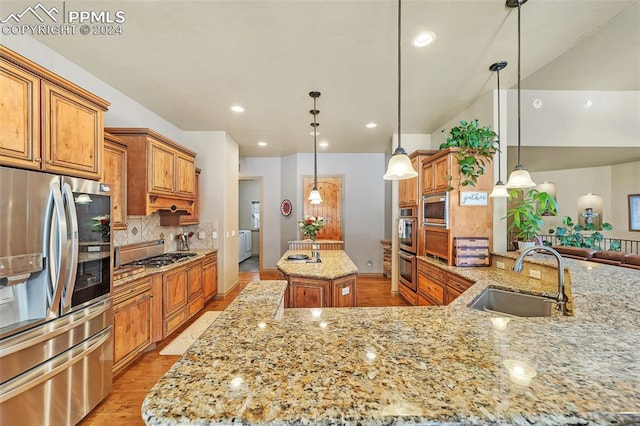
(261, 364)
(332, 282)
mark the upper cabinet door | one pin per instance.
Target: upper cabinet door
(186, 176)
(115, 174)
(162, 160)
(19, 117)
(72, 134)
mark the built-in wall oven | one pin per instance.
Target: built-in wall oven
(407, 270)
(408, 230)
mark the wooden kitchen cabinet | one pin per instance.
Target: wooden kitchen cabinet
(440, 172)
(174, 299)
(194, 218)
(456, 285)
(210, 276)
(408, 188)
(309, 293)
(435, 173)
(345, 292)
(115, 175)
(19, 117)
(160, 174)
(195, 290)
(132, 322)
(72, 133)
(70, 139)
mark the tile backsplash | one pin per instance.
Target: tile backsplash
(147, 228)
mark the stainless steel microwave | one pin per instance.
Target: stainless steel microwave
(435, 209)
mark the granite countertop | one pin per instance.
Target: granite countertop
(335, 264)
(200, 253)
(260, 364)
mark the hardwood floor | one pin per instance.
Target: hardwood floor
(122, 405)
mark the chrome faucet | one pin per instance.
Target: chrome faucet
(561, 298)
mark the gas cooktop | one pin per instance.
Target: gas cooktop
(161, 260)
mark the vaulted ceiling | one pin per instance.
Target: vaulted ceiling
(189, 61)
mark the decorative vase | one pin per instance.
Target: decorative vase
(523, 245)
(106, 238)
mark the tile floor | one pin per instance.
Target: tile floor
(251, 264)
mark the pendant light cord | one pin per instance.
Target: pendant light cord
(399, 71)
(519, 81)
(315, 154)
(499, 141)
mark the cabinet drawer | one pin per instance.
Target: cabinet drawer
(173, 322)
(129, 289)
(407, 294)
(433, 272)
(195, 306)
(430, 288)
(458, 283)
(425, 301)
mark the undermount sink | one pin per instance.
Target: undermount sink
(511, 303)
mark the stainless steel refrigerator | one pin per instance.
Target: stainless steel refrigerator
(56, 316)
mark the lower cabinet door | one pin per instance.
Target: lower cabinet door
(344, 292)
(407, 294)
(309, 293)
(132, 328)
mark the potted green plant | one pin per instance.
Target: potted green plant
(477, 148)
(526, 214)
(570, 234)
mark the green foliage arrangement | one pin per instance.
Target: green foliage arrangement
(571, 235)
(527, 213)
(477, 148)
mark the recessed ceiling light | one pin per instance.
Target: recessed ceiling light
(261, 143)
(316, 133)
(237, 108)
(423, 39)
(537, 103)
(588, 103)
(323, 144)
(371, 125)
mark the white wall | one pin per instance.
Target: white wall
(614, 183)
(268, 170)
(123, 112)
(563, 120)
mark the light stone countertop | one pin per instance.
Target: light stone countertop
(260, 364)
(200, 254)
(335, 264)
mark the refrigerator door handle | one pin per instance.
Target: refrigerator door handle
(70, 283)
(48, 370)
(56, 225)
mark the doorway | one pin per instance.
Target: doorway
(249, 224)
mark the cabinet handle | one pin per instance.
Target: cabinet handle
(37, 159)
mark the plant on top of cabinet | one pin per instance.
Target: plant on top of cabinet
(526, 215)
(477, 148)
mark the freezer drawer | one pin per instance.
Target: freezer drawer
(30, 348)
(63, 390)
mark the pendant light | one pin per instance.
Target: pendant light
(519, 177)
(399, 166)
(314, 195)
(499, 189)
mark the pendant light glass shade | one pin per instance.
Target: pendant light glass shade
(399, 166)
(499, 190)
(519, 177)
(314, 197)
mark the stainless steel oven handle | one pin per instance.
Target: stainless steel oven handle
(49, 369)
(70, 284)
(58, 263)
